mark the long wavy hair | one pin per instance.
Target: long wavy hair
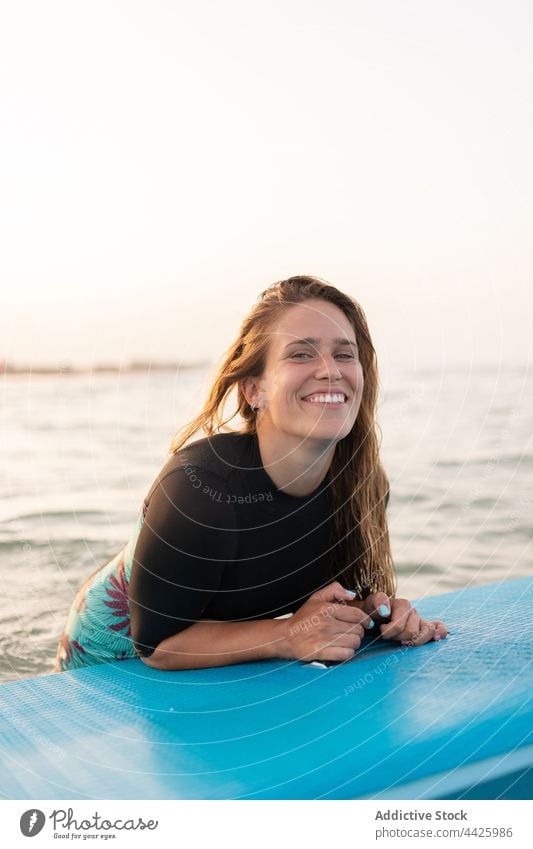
(358, 488)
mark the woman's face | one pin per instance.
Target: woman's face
(296, 372)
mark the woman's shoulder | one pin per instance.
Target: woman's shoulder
(217, 453)
(214, 457)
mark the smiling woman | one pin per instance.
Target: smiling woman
(285, 516)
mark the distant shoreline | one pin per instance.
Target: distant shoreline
(11, 369)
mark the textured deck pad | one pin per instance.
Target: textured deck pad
(425, 722)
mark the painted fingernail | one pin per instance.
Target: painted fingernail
(437, 637)
(371, 623)
(350, 593)
(384, 610)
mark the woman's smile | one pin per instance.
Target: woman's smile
(331, 401)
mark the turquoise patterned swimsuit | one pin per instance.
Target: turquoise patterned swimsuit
(98, 625)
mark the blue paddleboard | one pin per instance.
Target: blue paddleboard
(452, 719)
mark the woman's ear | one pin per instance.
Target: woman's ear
(248, 389)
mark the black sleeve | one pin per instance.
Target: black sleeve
(188, 535)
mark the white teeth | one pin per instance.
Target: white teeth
(326, 399)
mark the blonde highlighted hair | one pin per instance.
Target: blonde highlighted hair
(358, 488)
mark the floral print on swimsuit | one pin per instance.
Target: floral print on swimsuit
(98, 627)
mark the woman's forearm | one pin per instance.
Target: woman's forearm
(212, 642)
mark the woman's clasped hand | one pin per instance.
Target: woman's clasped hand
(330, 625)
(397, 620)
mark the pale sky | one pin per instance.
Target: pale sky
(163, 162)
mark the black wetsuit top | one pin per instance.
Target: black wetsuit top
(221, 541)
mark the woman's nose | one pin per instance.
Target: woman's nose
(328, 365)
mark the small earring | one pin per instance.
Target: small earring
(252, 408)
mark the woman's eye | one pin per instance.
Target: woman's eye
(307, 354)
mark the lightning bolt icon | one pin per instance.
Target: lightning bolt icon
(33, 820)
